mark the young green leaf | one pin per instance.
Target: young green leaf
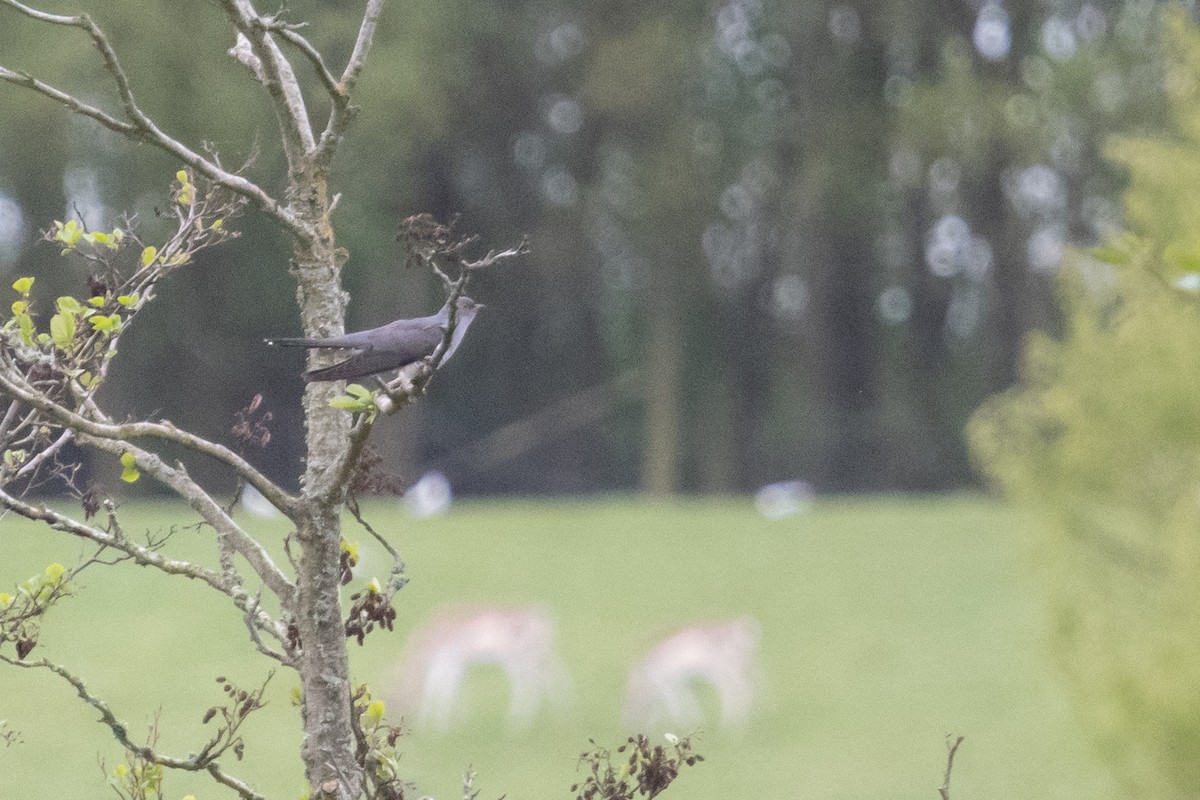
(184, 195)
(25, 325)
(69, 234)
(62, 331)
(106, 324)
(148, 255)
(23, 285)
(130, 472)
(68, 305)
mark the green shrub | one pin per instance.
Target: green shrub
(1102, 437)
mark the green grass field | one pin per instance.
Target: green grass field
(887, 623)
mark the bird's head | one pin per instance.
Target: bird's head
(466, 305)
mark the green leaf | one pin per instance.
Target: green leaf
(127, 299)
(359, 391)
(186, 190)
(62, 331)
(96, 301)
(23, 285)
(128, 460)
(68, 234)
(109, 240)
(346, 402)
(25, 326)
(19, 307)
(106, 324)
(148, 255)
(68, 305)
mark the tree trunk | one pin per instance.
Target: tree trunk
(660, 460)
(328, 749)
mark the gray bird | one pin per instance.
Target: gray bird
(390, 346)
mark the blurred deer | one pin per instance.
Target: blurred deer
(663, 685)
(521, 641)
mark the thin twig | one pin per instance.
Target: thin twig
(139, 127)
(121, 732)
(397, 581)
(278, 79)
(160, 430)
(145, 556)
(951, 749)
(342, 112)
(289, 34)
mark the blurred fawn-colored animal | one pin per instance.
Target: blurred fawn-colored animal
(438, 655)
(662, 687)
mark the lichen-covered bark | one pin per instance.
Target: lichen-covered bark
(328, 749)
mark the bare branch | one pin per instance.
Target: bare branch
(951, 749)
(177, 479)
(362, 45)
(397, 581)
(343, 112)
(241, 787)
(276, 76)
(76, 105)
(160, 430)
(145, 556)
(139, 127)
(250, 618)
(121, 732)
(49, 452)
(340, 471)
(289, 34)
(494, 256)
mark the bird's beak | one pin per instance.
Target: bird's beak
(480, 306)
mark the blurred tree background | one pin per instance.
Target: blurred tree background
(1101, 436)
(771, 240)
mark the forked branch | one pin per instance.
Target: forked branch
(205, 761)
(137, 125)
(146, 556)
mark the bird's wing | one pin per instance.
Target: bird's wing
(390, 347)
(359, 365)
